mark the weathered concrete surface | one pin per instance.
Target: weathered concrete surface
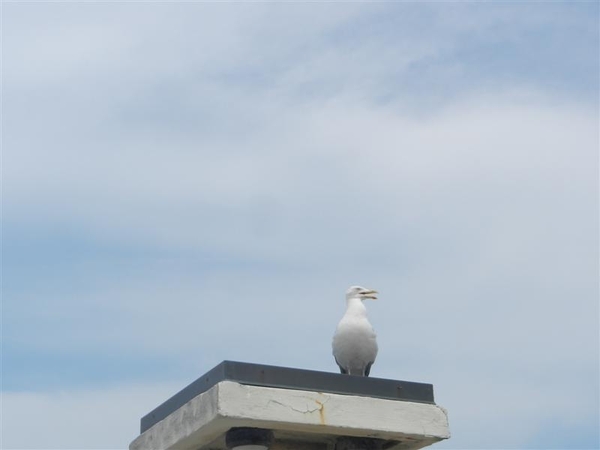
(294, 415)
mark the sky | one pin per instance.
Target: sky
(187, 183)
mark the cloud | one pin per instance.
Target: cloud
(484, 260)
(385, 164)
(190, 183)
(102, 418)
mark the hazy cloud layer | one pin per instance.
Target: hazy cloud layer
(187, 183)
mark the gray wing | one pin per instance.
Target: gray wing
(342, 370)
(368, 368)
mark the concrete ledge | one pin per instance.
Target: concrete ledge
(294, 415)
(288, 378)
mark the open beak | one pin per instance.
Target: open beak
(369, 293)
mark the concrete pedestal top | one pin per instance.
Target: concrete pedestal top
(299, 418)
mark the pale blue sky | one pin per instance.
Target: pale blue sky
(192, 182)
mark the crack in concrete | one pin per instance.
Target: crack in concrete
(320, 407)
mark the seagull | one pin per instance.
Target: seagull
(354, 341)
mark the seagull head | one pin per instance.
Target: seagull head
(360, 293)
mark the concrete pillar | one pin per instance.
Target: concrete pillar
(353, 443)
(248, 438)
